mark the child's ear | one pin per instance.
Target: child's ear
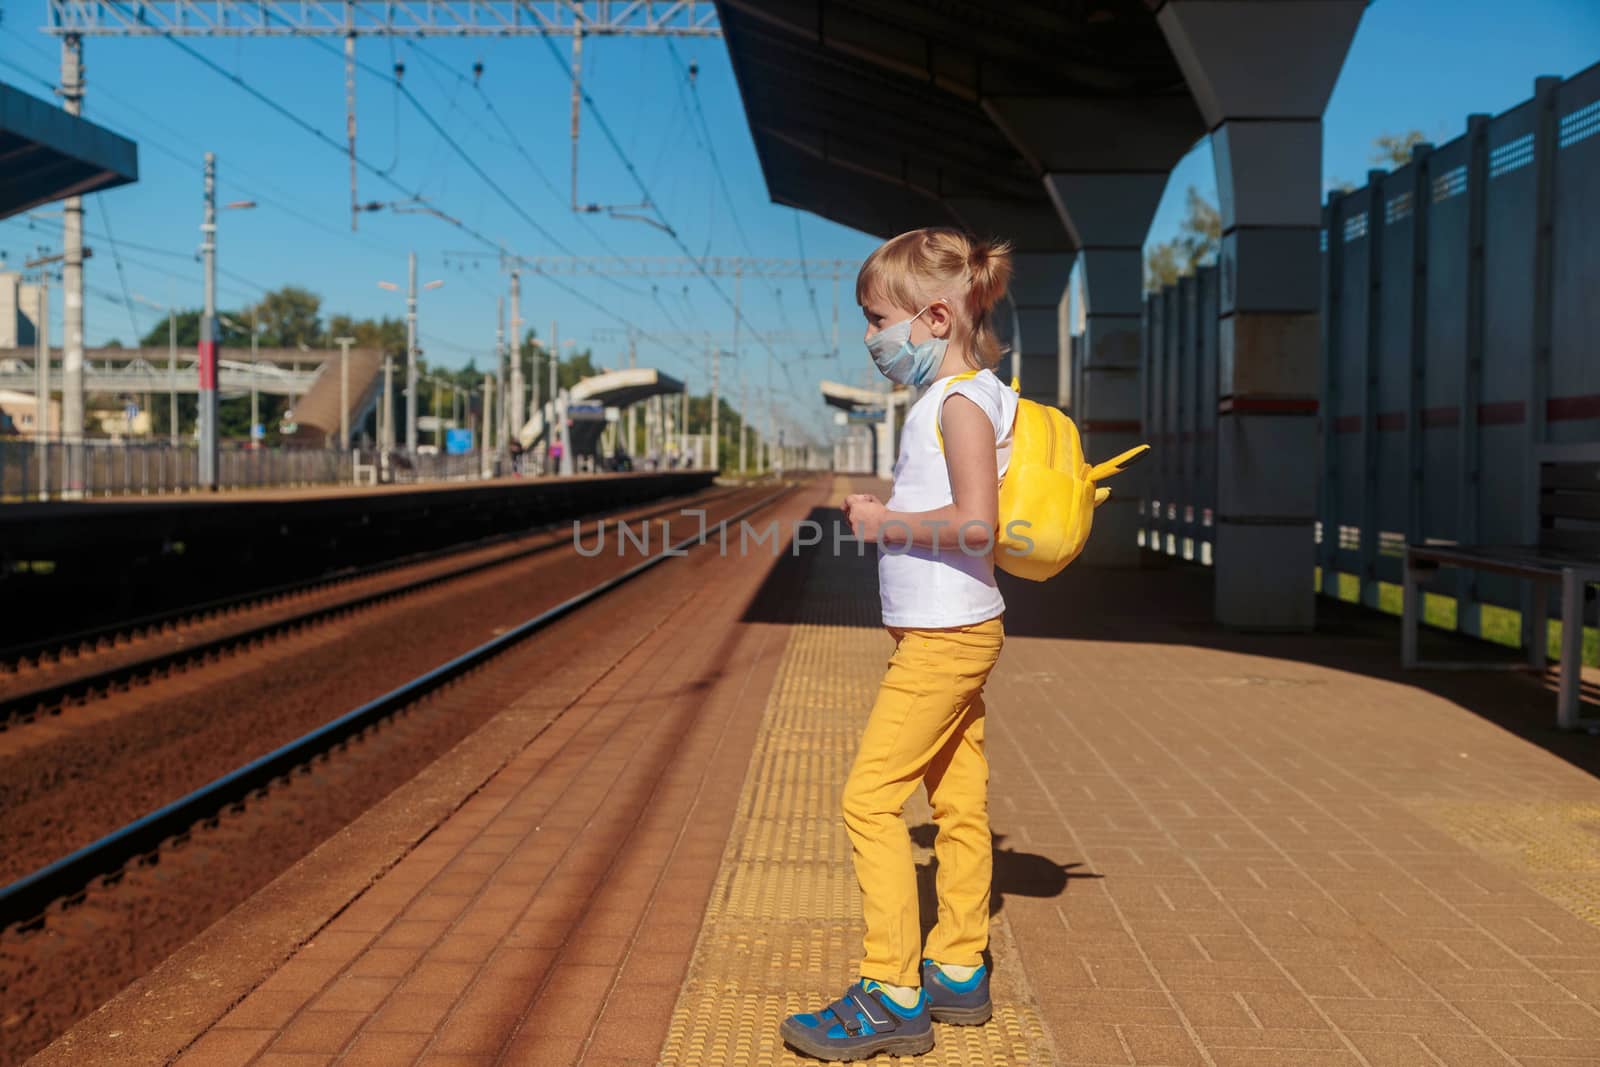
(939, 319)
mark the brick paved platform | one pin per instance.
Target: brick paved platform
(1210, 849)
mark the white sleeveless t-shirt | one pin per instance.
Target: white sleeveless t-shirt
(926, 588)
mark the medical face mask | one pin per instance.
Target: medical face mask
(902, 362)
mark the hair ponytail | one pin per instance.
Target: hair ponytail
(944, 263)
(989, 267)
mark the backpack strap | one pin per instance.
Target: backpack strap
(964, 376)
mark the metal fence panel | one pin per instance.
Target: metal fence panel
(1394, 216)
(1210, 299)
(1506, 403)
(1154, 380)
(1461, 330)
(1348, 406)
(1574, 413)
(1170, 405)
(1445, 326)
(136, 468)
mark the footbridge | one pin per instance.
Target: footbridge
(587, 402)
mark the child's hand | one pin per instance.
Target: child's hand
(855, 500)
(865, 513)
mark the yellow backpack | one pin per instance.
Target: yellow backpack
(1049, 492)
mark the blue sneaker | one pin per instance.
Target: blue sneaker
(861, 1024)
(961, 1003)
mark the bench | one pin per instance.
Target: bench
(1567, 555)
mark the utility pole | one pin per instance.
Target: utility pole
(499, 373)
(836, 314)
(518, 415)
(411, 358)
(438, 415)
(255, 404)
(386, 416)
(488, 425)
(172, 375)
(208, 333)
(72, 282)
(716, 441)
(41, 372)
(632, 362)
(555, 358)
(536, 391)
(344, 344)
(738, 280)
(556, 404)
(350, 120)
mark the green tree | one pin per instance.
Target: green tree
(289, 317)
(1394, 149)
(1196, 245)
(385, 334)
(188, 331)
(1389, 149)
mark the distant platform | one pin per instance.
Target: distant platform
(81, 564)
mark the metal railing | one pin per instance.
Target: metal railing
(103, 468)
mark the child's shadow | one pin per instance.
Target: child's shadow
(1022, 873)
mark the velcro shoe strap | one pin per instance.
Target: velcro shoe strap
(877, 1012)
(845, 1010)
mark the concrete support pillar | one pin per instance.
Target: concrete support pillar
(1038, 281)
(1261, 74)
(1109, 216)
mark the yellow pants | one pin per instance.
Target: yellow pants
(926, 726)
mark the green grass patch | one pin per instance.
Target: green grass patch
(1503, 626)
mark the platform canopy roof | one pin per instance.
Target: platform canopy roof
(855, 398)
(621, 388)
(886, 115)
(47, 154)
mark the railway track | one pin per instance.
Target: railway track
(48, 677)
(78, 929)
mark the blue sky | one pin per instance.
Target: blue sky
(1415, 64)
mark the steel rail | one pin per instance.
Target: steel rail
(28, 897)
(19, 706)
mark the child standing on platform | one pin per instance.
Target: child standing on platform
(927, 296)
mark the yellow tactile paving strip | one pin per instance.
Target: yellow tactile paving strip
(1556, 846)
(782, 932)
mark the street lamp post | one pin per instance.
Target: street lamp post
(411, 349)
(255, 353)
(411, 358)
(208, 328)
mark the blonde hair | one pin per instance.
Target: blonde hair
(940, 263)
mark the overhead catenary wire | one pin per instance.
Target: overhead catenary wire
(336, 145)
(516, 145)
(37, 219)
(709, 143)
(805, 276)
(116, 258)
(644, 190)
